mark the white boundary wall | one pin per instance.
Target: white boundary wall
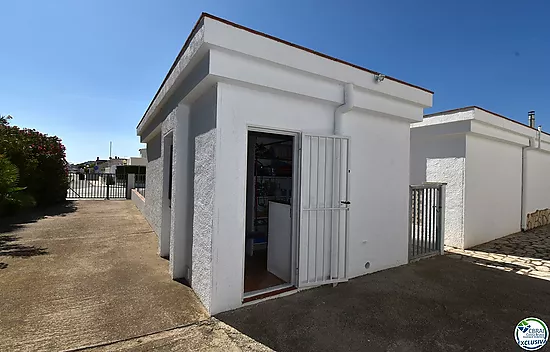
(479, 155)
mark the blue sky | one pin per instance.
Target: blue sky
(86, 70)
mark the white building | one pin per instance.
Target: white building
(496, 170)
(136, 161)
(272, 167)
(111, 164)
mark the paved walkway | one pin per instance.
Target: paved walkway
(87, 274)
(206, 336)
(436, 304)
(84, 274)
(525, 253)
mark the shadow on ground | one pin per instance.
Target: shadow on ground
(10, 245)
(12, 223)
(516, 267)
(437, 304)
(533, 244)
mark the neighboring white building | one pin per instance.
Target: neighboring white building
(111, 164)
(273, 167)
(136, 161)
(143, 153)
(495, 169)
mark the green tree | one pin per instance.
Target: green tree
(40, 160)
(11, 196)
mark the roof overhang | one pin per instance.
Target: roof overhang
(220, 50)
(478, 121)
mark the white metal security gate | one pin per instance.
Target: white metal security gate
(323, 239)
(426, 220)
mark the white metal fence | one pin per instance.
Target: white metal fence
(427, 220)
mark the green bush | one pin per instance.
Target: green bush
(40, 160)
(12, 197)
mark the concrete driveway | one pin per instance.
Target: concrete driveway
(83, 274)
(437, 304)
(87, 275)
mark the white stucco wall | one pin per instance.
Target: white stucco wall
(450, 170)
(425, 146)
(153, 183)
(537, 183)
(138, 200)
(378, 230)
(203, 148)
(492, 190)
(138, 161)
(438, 155)
(379, 171)
(237, 108)
(490, 172)
(265, 83)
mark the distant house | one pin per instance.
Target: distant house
(272, 167)
(139, 161)
(110, 165)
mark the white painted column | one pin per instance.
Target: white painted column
(180, 250)
(130, 184)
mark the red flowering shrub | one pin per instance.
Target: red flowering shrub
(40, 159)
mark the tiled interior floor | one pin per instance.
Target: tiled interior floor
(256, 276)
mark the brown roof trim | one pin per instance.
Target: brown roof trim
(180, 54)
(452, 111)
(253, 31)
(233, 24)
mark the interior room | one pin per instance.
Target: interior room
(268, 243)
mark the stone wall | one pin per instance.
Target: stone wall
(538, 218)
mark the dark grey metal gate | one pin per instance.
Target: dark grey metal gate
(97, 186)
(426, 220)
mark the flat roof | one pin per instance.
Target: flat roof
(253, 31)
(472, 107)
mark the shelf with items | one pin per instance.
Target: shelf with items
(272, 179)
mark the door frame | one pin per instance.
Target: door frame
(295, 205)
(167, 140)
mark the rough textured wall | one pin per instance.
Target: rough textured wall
(183, 62)
(153, 208)
(167, 137)
(153, 184)
(204, 214)
(538, 218)
(202, 151)
(452, 172)
(425, 146)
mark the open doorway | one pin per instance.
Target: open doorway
(268, 237)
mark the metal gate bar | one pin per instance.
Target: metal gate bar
(426, 220)
(97, 185)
